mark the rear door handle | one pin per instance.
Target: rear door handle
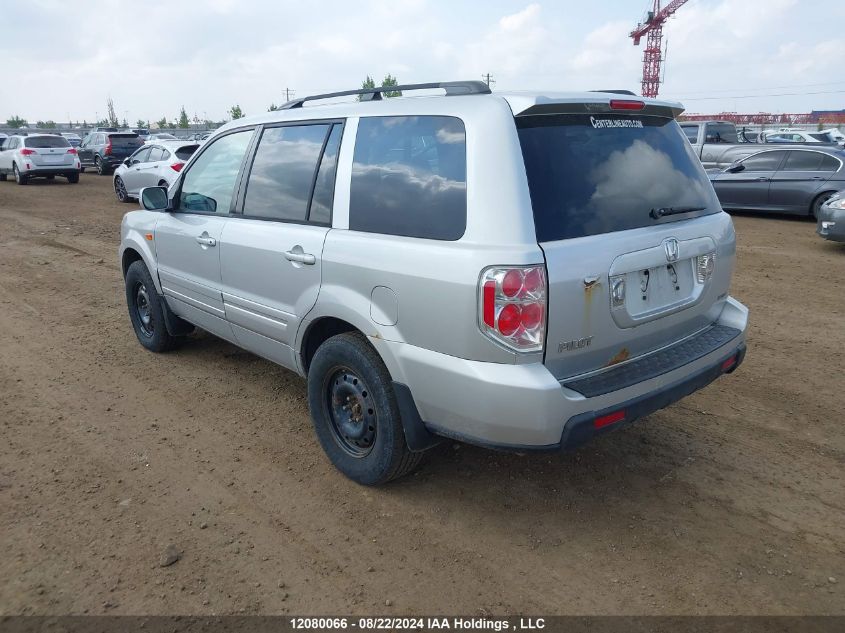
(301, 258)
(206, 241)
(762, 179)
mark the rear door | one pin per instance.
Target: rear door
(187, 239)
(801, 177)
(271, 253)
(625, 216)
(748, 188)
(150, 173)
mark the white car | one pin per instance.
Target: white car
(38, 156)
(160, 136)
(155, 164)
(73, 138)
(787, 136)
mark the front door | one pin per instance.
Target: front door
(748, 188)
(188, 238)
(271, 254)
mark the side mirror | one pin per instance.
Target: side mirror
(736, 168)
(126, 161)
(154, 198)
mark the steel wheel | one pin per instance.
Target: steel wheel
(144, 310)
(120, 189)
(350, 408)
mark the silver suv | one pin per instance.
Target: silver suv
(517, 271)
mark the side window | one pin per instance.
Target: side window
(282, 173)
(323, 198)
(155, 155)
(767, 161)
(209, 184)
(829, 163)
(692, 133)
(164, 154)
(141, 156)
(802, 161)
(409, 177)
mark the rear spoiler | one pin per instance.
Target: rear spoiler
(650, 109)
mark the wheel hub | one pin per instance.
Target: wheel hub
(143, 309)
(352, 413)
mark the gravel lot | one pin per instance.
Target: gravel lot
(731, 501)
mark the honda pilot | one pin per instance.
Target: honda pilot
(517, 271)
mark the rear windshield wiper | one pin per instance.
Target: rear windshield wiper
(664, 211)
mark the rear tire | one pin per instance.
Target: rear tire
(102, 170)
(2, 177)
(163, 183)
(73, 178)
(355, 413)
(146, 310)
(818, 202)
(81, 170)
(19, 177)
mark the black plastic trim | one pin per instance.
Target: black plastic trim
(374, 94)
(654, 365)
(417, 435)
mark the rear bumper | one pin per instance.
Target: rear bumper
(37, 172)
(524, 407)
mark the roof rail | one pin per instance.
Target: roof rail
(374, 94)
(617, 92)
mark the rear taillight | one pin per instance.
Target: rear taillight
(512, 306)
(27, 152)
(626, 104)
(107, 151)
(72, 151)
(177, 166)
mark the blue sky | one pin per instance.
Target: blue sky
(64, 59)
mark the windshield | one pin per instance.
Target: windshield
(42, 142)
(597, 174)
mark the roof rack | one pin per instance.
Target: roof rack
(617, 92)
(374, 94)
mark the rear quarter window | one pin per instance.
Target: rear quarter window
(184, 153)
(409, 177)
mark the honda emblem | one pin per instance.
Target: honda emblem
(671, 248)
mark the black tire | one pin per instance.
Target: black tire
(2, 177)
(51, 177)
(146, 310)
(73, 178)
(102, 170)
(81, 170)
(363, 438)
(120, 190)
(19, 178)
(163, 183)
(818, 202)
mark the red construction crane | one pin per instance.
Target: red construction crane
(653, 55)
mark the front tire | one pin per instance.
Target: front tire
(120, 190)
(355, 413)
(146, 310)
(19, 177)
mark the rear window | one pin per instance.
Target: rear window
(186, 151)
(40, 142)
(409, 177)
(125, 140)
(597, 174)
(720, 133)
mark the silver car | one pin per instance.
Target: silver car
(38, 156)
(519, 271)
(153, 164)
(831, 218)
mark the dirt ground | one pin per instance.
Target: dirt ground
(729, 502)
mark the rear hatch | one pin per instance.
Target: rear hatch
(123, 144)
(49, 151)
(638, 252)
